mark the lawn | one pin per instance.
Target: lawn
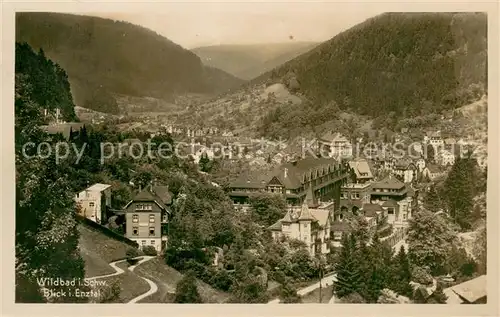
(166, 278)
(131, 285)
(313, 297)
(98, 250)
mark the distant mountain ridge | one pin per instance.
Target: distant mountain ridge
(389, 68)
(251, 60)
(401, 62)
(103, 57)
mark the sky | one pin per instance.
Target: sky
(203, 24)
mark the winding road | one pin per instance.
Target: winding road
(153, 288)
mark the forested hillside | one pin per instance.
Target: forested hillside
(103, 57)
(406, 64)
(47, 81)
(46, 234)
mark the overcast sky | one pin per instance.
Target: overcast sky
(201, 24)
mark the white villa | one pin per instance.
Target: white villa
(90, 201)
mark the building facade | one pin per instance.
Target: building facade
(309, 225)
(334, 145)
(147, 217)
(396, 197)
(322, 177)
(93, 201)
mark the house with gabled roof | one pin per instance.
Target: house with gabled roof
(147, 216)
(362, 171)
(405, 169)
(322, 177)
(391, 191)
(307, 224)
(335, 145)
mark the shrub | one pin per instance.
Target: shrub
(421, 276)
(149, 250)
(132, 253)
(187, 290)
(222, 280)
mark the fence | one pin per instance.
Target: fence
(106, 231)
(395, 237)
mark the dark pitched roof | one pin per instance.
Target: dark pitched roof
(370, 210)
(146, 195)
(276, 226)
(390, 203)
(389, 183)
(289, 174)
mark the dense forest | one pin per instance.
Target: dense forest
(103, 57)
(406, 64)
(46, 235)
(49, 86)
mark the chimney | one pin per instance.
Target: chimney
(286, 172)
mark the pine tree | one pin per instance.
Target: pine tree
(377, 259)
(432, 200)
(349, 277)
(186, 290)
(460, 188)
(402, 277)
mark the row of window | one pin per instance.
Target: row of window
(143, 242)
(354, 195)
(135, 231)
(135, 218)
(144, 207)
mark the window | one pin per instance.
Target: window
(305, 225)
(135, 218)
(337, 235)
(139, 206)
(91, 204)
(143, 242)
(135, 231)
(151, 231)
(404, 216)
(390, 211)
(152, 242)
(149, 207)
(151, 218)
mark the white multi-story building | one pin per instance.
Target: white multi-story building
(90, 201)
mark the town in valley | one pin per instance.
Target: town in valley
(349, 170)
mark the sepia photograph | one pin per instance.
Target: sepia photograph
(227, 155)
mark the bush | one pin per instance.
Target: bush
(421, 276)
(149, 250)
(222, 280)
(132, 253)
